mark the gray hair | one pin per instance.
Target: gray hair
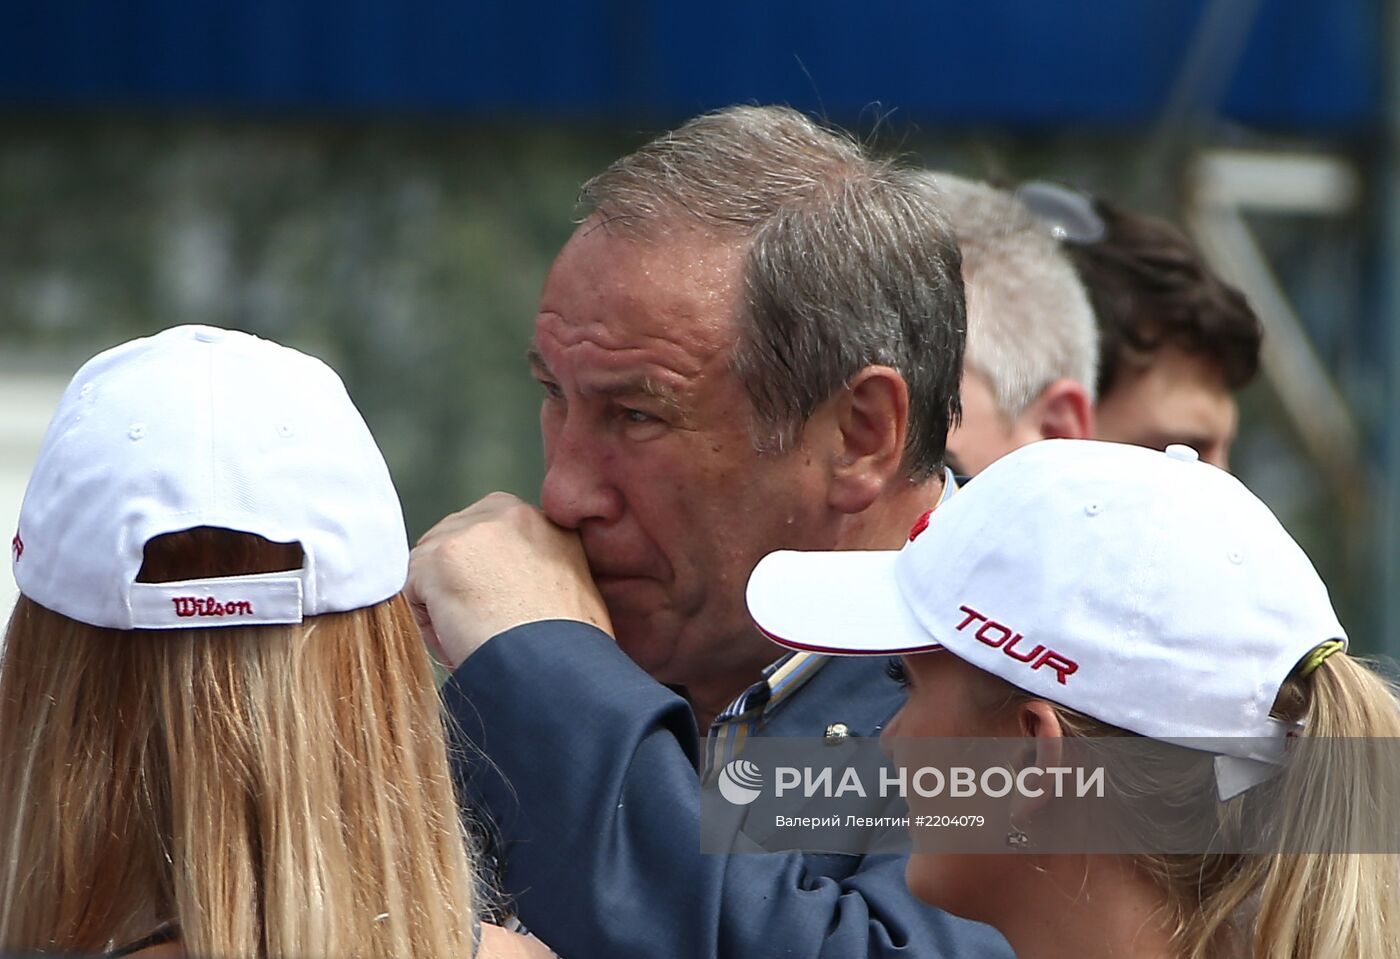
(1029, 318)
(848, 263)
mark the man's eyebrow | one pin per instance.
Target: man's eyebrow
(638, 386)
(625, 386)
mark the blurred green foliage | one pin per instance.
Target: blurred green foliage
(409, 256)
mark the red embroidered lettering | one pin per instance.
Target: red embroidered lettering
(919, 526)
(994, 643)
(999, 636)
(1063, 667)
(1010, 650)
(208, 606)
(972, 614)
(17, 547)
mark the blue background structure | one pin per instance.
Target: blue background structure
(1017, 63)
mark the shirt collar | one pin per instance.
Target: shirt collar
(791, 671)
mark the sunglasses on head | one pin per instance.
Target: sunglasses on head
(1068, 214)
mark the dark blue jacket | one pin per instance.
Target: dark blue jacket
(589, 775)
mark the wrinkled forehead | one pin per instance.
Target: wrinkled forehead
(676, 252)
(623, 289)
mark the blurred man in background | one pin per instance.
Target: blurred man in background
(1175, 341)
(1032, 345)
(752, 342)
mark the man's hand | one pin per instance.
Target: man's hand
(497, 564)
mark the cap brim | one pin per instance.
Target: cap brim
(845, 603)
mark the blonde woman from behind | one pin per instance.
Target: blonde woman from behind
(219, 734)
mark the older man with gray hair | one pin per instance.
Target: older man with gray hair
(751, 342)
(1032, 341)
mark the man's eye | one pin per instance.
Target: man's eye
(551, 390)
(637, 416)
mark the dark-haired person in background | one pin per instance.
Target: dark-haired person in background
(1175, 341)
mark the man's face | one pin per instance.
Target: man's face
(1176, 397)
(648, 452)
(985, 433)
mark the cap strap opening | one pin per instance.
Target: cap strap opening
(252, 600)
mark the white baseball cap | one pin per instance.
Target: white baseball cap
(198, 426)
(1148, 590)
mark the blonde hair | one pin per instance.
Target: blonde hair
(276, 790)
(1290, 904)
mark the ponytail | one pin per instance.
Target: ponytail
(1343, 797)
(1323, 905)
(1306, 905)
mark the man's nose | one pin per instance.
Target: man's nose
(578, 483)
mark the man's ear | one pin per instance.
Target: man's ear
(1062, 411)
(871, 416)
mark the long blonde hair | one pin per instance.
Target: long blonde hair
(1292, 905)
(276, 790)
